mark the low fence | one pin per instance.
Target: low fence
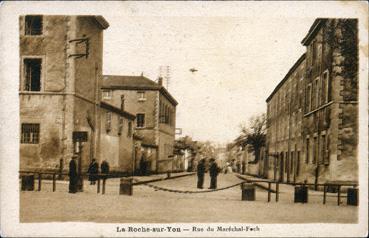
(100, 178)
(304, 186)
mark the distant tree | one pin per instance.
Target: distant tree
(253, 134)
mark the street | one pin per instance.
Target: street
(148, 205)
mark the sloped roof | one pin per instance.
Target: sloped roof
(313, 30)
(127, 82)
(124, 82)
(292, 69)
(117, 110)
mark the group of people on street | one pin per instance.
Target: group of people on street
(213, 172)
(93, 170)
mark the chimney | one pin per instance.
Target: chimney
(122, 102)
(160, 81)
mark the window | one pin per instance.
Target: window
(313, 52)
(32, 74)
(141, 96)
(307, 154)
(292, 162)
(33, 25)
(120, 125)
(108, 121)
(30, 133)
(298, 164)
(315, 150)
(317, 92)
(107, 94)
(162, 114)
(322, 150)
(129, 131)
(325, 87)
(140, 117)
(308, 98)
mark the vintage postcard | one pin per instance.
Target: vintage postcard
(184, 119)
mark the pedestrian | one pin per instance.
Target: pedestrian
(243, 167)
(213, 171)
(105, 167)
(200, 173)
(73, 176)
(93, 170)
(143, 164)
(226, 168)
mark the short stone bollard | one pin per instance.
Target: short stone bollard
(28, 183)
(301, 194)
(248, 192)
(126, 187)
(168, 174)
(352, 196)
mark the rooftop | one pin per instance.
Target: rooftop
(292, 69)
(127, 82)
(117, 110)
(313, 30)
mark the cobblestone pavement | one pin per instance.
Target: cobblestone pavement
(148, 205)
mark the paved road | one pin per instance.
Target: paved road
(148, 205)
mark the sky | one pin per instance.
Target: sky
(241, 49)
(240, 59)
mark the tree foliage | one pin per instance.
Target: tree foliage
(254, 134)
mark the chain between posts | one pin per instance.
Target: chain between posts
(183, 191)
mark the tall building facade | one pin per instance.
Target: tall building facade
(155, 110)
(60, 69)
(312, 116)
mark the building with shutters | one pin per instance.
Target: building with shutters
(155, 111)
(312, 115)
(60, 94)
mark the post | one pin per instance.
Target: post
(269, 187)
(339, 195)
(103, 185)
(277, 192)
(98, 185)
(39, 181)
(54, 182)
(324, 193)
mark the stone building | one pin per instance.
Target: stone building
(60, 74)
(331, 101)
(313, 113)
(155, 110)
(284, 120)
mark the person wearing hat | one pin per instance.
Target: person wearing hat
(213, 171)
(73, 175)
(200, 173)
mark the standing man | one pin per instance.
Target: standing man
(213, 171)
(105, 167)
(73, 175)
(200, 173)
(243, 167)
(93, 169)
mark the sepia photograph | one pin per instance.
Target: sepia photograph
(184, 119)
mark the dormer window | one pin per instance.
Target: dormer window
(33, 25)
